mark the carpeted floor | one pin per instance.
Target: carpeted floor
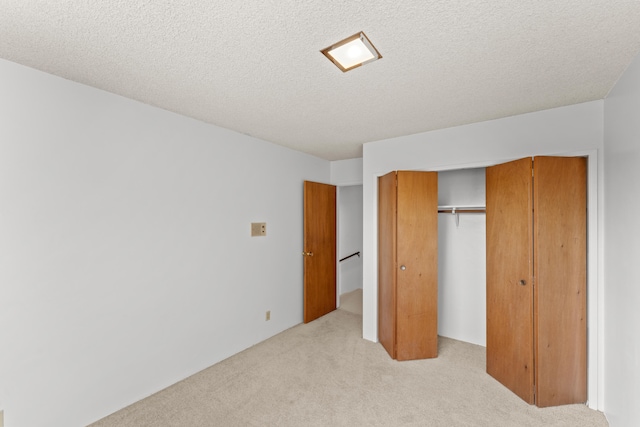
(352, 301)
(324, 374)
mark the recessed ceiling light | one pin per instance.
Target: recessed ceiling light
(352, 52)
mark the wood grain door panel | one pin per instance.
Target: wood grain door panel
(387, 262)
(320, 247)
(510, 276)
(408, 264)
(417, 251)
(560, 264)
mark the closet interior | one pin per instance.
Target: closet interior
(461, 255)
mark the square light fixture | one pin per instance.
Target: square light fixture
(352, 52)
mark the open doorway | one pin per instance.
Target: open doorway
(350, 248)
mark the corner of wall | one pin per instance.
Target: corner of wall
(346, 172)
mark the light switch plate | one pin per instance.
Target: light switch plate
(258, 229)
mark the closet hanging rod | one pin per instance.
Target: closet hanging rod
(461, 209)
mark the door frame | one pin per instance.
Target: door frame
(595, 266)
(337, 260)
(339, 187)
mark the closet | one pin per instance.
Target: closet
(535, 274)
(408, 264)
(536, 278)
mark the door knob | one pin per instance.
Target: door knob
(403, 268)
(522, 282)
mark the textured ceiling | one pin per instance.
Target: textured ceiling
(255, 66)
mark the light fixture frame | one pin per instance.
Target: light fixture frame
(365, 40)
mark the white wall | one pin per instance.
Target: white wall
(622, 250)
(349, 237)
(126, 262)
(572, 130)
(462, 257)
(346, 172)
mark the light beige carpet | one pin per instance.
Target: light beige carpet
(352, 301)
(324, 374)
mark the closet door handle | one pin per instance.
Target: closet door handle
(403, 268)
(522, 282)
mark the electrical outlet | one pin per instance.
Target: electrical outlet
(258, 229)
(268, 315)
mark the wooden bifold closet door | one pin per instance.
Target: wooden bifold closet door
(536, 278)
(408, 264)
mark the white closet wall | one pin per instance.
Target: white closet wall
(462, 257)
